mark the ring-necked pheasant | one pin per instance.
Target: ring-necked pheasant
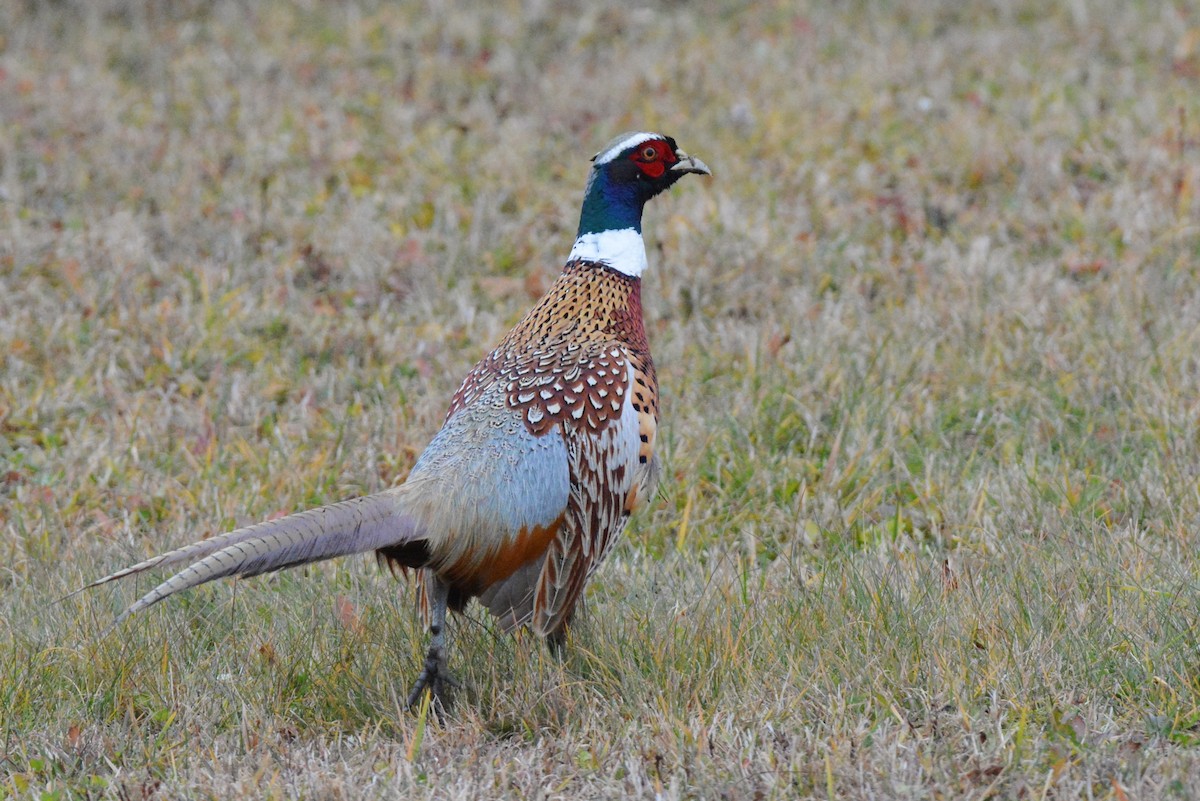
(545, 451)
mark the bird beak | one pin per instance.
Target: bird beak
(690, 164)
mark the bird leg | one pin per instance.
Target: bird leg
(434, 676)
(556, 641)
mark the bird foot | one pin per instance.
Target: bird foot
(437, 680)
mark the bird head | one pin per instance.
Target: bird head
(649, 161)
(630, 170)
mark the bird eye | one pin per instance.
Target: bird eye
(650, 153)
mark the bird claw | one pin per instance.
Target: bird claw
(435, 679)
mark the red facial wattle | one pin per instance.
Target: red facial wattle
(653, 158)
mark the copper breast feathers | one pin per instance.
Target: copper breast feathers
(567, 363)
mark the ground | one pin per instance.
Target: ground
(927, 344)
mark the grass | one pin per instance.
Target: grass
(927, 345)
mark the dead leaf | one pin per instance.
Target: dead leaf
(1081, 268)
(73, 273)
(1078, 726)
(317, 268)
(347, 614)
(980, 775)
(500, 287)
(535, 284)
(1133, 744)
(949, 579)
(776, 342)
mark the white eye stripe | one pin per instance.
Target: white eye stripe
(626, 143)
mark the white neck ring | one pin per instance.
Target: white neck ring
(623, 250)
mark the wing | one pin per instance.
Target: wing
(604, 467)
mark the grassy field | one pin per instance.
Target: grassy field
(928, 345)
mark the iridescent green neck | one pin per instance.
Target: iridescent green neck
(608, 206)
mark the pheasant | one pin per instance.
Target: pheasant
(547, 448)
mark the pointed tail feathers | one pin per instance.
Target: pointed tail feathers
(354, 526)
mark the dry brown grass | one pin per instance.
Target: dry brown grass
(927, 345)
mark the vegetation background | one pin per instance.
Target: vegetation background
(928, 351)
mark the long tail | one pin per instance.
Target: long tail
(355, 526)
